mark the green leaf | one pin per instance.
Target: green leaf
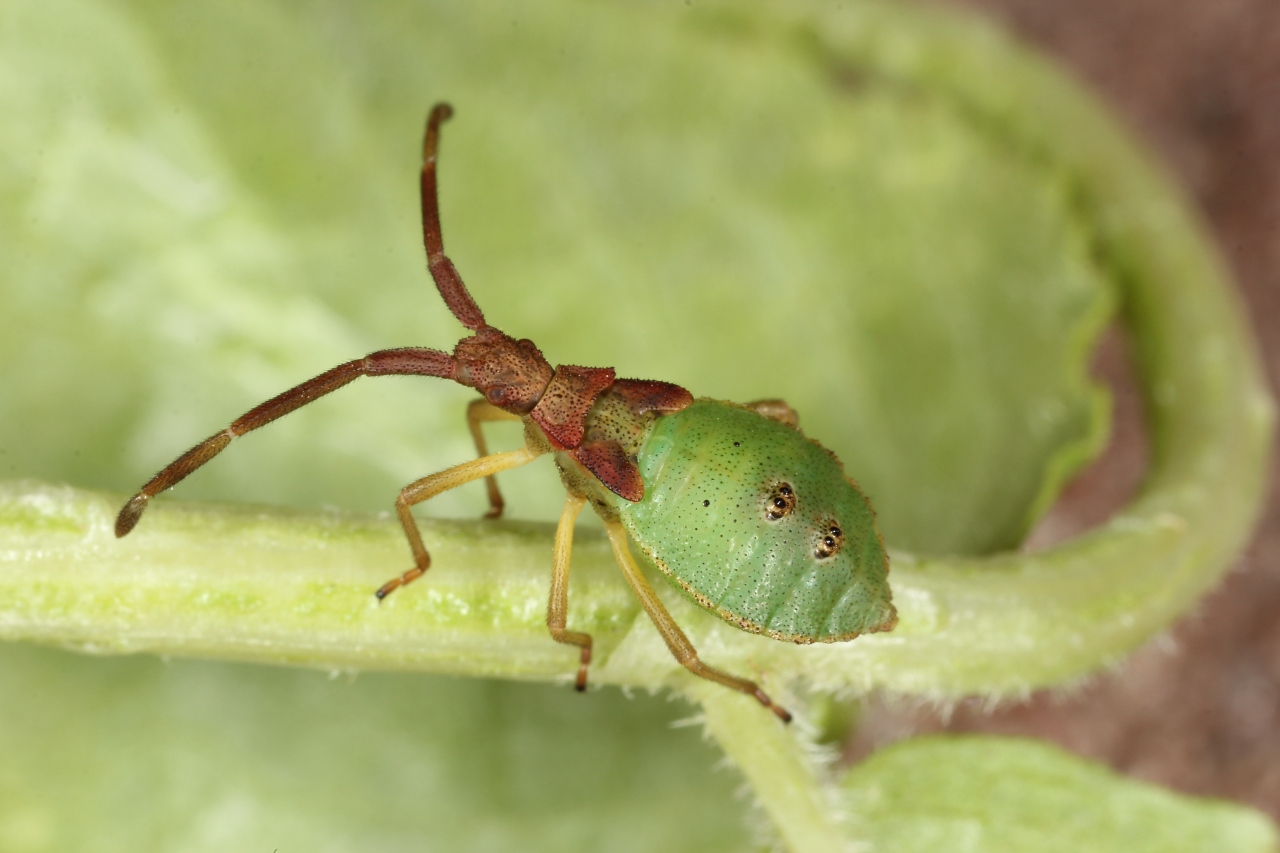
(1004, 795)
(140, 754)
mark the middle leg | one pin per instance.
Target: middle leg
(558, 606)
(478, 412)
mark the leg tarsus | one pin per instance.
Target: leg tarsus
(743, 685)
(395, 583)
(780, 712)
(421, 559)
(581, 683)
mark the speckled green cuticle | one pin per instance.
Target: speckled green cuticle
(705, 524)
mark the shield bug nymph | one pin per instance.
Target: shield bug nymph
(733, 504)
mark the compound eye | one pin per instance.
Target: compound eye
(829, 544)
(780, 502)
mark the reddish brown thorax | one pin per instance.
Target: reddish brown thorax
(514, 376)
(612, 429)
(562, 411)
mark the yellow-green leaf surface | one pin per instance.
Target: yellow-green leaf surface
(978, 794)
(905, 226)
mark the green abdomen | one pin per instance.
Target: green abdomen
(741, 512)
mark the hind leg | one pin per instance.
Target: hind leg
(777, 410)
(675, 638)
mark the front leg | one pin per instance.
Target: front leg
(430, 486)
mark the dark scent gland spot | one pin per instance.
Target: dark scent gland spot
(830, 542)
(706, 503)
(737, 444)
(780, 502)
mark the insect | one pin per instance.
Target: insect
(733, 504)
